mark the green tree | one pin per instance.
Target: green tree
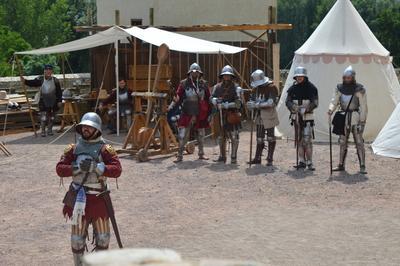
(10, 42)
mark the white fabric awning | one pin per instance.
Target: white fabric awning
(175, 41)
(182, 43)
(102, 38)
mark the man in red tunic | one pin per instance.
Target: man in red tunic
(193, 95)
(89, 162)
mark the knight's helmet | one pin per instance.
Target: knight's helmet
(258, 78)
(227, 70)
(349, 72)
(195, 68)
(300, 72)
(90, 119)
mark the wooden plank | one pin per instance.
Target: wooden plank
(275, 64)
(142, 72)
(199, 28)
(141, 85)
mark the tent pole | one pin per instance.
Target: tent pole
(134, 62)
(150, 58)
(63, 68)
(26, 96)
(117, 82)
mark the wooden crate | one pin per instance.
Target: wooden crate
(142, 72)
(142, 85)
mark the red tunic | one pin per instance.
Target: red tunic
(95, 206)
(204, 108)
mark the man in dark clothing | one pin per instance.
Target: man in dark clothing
(50, 98)
(226, 98)
(302, 99)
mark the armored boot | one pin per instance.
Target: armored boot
(271, 150)
(182, 143)
(222, 150)
(78, 259)
(342, 159)
(200, 139)
(50, 126)
(257, 156)
(43, 128)
(235, 146)
(361, 158)
(302, 162)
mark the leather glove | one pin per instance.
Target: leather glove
(87, 165)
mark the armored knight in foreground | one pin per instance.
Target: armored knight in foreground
(50, 98)
(226, 99)
(125, 106)
(262, 104)
(302, 99)
(351, 96)
(194, 97)
(90, 161)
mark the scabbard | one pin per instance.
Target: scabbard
(110, 211)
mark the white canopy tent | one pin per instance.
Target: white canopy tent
(153, 36)
(182, 43)
(340, 40)
(387, 143)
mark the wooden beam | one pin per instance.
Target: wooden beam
(200, 28)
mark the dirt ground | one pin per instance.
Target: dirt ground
(202, 209)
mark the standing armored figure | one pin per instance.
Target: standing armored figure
(302, 99)
(193, 96)
(226, 98)
(90, 161)
(351, 96)
(125, 105)
(50, 98)
(262, 104)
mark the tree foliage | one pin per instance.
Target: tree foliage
(42, 23)
(382, 16)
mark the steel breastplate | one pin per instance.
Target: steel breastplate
(87, 150)
(48, 92)
(345, 100)
(123, 98)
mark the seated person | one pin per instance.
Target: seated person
(125, 106)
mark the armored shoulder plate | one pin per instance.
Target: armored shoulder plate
(360, 88)
(110, 149)
(69, 148)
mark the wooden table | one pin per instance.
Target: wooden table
(70, 113)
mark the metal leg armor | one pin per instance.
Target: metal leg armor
(308, 146)
(359, 141)
(271, 145)
(183, 136)
(234, 137)
(260, 145)
(50, 124)
(102, 233)
(128, 114)
(201, 133)
(222, 149)
(78, 242)
(112, 113)
(43, 122)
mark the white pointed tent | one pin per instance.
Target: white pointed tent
(340, 40)
(387, 143)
